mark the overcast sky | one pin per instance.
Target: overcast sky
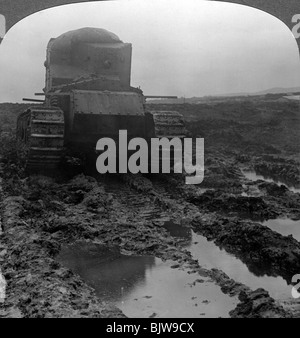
(184, 48)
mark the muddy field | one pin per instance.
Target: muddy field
(86, 245)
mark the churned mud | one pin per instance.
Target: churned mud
(78, 244)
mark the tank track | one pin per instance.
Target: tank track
(40, 134)
(168, 124)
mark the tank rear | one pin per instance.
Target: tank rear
(92, 54)
(88, 76)
(88, 96)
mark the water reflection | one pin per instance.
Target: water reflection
(285, 227)
(211, 256)
(146, 286)
(254, 176)
(111, 274)
(171, 293)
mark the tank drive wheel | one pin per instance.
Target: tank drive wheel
(40, 135)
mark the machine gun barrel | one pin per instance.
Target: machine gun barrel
(160, 97)
(146, 96)
(32, 100)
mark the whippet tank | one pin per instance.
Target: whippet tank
(88, 96)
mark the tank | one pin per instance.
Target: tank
(88, 96)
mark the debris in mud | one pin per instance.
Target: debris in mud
(258, 304)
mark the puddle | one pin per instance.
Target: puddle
(285, 227)
(253, 176)
(168, 293)
(211, 256)
(145, 286)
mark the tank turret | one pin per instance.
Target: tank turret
(93, 56)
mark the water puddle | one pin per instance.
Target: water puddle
(211, 256)
(170, 292)
(253, 176)
(285, 227)
(145, 286)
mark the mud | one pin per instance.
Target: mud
(277, 168)
(125, 215)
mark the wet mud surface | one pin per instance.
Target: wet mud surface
(85, 245)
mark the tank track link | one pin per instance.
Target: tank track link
(168, 124)
(40, 134)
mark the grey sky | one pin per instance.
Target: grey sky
(185, 48)
(2, 26)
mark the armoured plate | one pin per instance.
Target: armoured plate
(107, 103)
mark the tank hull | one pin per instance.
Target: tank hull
(88, 129)
(88, 92)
